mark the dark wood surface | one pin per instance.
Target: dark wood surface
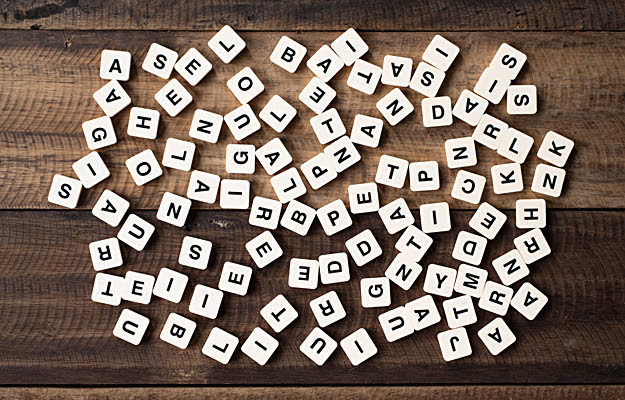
(590, 392)
(52, 334)
(429, 15)
(579, 78)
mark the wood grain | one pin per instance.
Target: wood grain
(590, 392)
(49, 78)
(53, 334)
(316, 15)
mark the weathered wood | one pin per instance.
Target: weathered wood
(53, 334)
(591, 392)
(49, 78)
(316, 15)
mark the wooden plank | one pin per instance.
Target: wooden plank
(317, 15)
(591, 392)
(52, 334)
(51, 76)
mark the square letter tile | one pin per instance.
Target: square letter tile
(403, 271)
(396, 71)
(317, 95)
(195, 252)
(363, 198)
(510, 267)
(548, 180)
(496, 336)
(454, 344)
(206, 126)
(334, 217)
(468, 187)
(131, 326)
(375, 292)
(193, 66)
(206, 301)
(227, 44)
(173, 97)
(459, 311)
(327, 309)
(99, 132)
(277, 113)
(555, 149)
(273, 156)
(115, 65)
(391, 171)
(366, 130)
(470, 280)
(105, 254)
(364, 77)
(235, 278)
(235, 194)
(394, 106)
(532, 245)
(487, 220)
(112, 98)
(259, 346)
(427, 80)
(203, 187)
(490, 131)
(107, 289)
(325, 63)
(349, 46)
(143, 122)
(531, 213)
(396, 323)
(174, 209)
(220, 345)
(64, 191)
(439, 280)
(279, 313)
(495, 298)
(144, 167)
(359, 347)
(245, 85)
(298, 217)
(436, 111)
(522, 99)
(507, 178)
(469, 248)
(515, 145)
(264, 249)
(333, 268)
(288, 54)
(135, 232)
(435, 217)
(318, 346)
(470, 107)
(423, 312)
(303, 274)
(528, 300)
(170, 285)
(396, 216)
(288, 185)
(441, 53)
(160, 61)
(242, 122)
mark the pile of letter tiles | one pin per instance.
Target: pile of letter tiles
(468, 281)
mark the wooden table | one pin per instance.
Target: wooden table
(54, 341)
